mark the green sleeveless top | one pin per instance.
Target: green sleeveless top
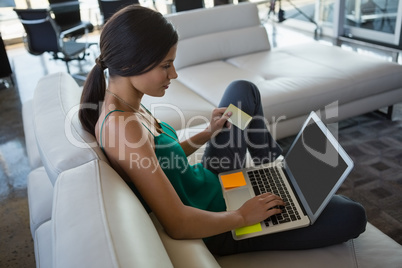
(195, 185)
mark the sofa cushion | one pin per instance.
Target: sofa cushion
(376, 249)
(62, 142)
(220, 32)
(200, 80)
(341, 255)
(97, 221)
(371, 249)
(40, 198)
(309, 76)
(296, 80)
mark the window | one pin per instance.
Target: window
(372, 20)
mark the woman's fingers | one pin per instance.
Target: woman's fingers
(261, 207)
(219, 120)
(271, 200)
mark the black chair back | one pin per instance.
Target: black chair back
(109, 7)
(66, 12)
(183, 5)
(67, 15)
(41, 31)
(5, 68)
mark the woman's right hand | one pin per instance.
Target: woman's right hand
(260, 208)
(218, 120)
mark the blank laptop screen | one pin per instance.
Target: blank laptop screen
(315, 164)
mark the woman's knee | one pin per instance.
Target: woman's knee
(359, 214)
(243, 86)
(242, 93)
(356, 214)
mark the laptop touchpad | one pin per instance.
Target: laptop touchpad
(237, 197)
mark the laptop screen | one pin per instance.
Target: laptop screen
(316, 165)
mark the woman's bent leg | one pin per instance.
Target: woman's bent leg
(227, 151)
(341, 220)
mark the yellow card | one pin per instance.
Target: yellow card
(249, 229)
(233, 180)
(238, 118)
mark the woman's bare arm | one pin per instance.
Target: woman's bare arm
(218, 121)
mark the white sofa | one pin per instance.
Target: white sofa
(82, 213)
(226, 43)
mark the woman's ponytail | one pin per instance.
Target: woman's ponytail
(92, 96)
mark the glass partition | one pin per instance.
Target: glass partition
(377, 20)
(372, 20)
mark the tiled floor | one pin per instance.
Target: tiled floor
(16, 245)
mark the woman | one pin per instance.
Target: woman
(138, 47)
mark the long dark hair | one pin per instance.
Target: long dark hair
(133, 41)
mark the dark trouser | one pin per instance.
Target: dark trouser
(227, 151)
(340, 221)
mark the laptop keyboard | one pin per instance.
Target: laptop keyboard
(267, 180)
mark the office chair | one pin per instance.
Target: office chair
(67, 15)
(44, 35)
(109, 7)
(183, 5)
(5, 68)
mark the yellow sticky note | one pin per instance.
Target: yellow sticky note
(238, 118)
(233, 180)
(248, 229)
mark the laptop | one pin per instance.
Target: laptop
(311, 172)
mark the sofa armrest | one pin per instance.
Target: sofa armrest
(40, 196)
(185, 253)
(30, 140)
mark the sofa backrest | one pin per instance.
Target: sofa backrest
(62, 142)
(97, 221)
(218, 33)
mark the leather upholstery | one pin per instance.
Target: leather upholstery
(53, 111)
(84, 215)
(95, 220)
(98, 222)
(311, 76)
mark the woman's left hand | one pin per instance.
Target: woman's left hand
(219, 120)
